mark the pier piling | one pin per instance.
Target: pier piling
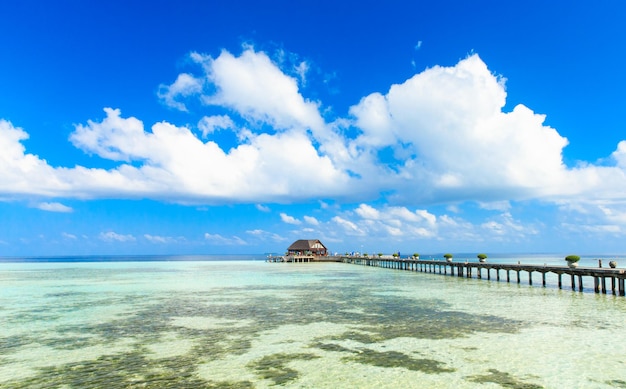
(466, 270)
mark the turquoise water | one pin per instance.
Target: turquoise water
(251, 324)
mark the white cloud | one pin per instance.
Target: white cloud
(210, 124)
(451, 142)
(348, 226)
(380, 226)
(114, 138)
(175, 163)
(254, 86)
(289, 219)
(262, 208)
(619, 155)
(219, 240)
(367, 212)
(397, 221)
(395, 213)
(451, 119)
(266, 235)
(596, 229)
(184, 86)
(594, 219)
(495, 205)
(311, 220)
(301, 70)
(162, 239)
(68, 236)
(111, 236)
(22, 173)
(505, 226)
(54, 207)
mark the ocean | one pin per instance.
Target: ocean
(240, 322)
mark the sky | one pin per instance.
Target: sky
(206, 127)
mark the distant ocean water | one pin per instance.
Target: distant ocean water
(239, 322)
(526, 258)
(136, 258)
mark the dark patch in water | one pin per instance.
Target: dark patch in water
(124, 370)
(617, 383)
(396, 359)
(70, 343)
(11, 344)
(274, 367)
(374, 317)
(503, 379)
(332, 347)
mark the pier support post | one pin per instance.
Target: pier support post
(573, 282)
(543, 278)
(530, 277)
(580, 282)
(613, 285)
(560, 281)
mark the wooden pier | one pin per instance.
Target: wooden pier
(303, 258)
(604, 279)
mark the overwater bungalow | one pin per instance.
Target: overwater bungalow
(307, 247)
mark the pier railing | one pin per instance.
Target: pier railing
(480, 270)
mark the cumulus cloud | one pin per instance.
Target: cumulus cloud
(451, 120)
(254, 86)
(175, 163)
(20, 172)
(439, 137)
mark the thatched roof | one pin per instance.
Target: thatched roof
(304, 244)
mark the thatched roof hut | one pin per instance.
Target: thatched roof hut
(307, 247)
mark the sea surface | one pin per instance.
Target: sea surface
(240, 322)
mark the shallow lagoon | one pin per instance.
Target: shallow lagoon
(251, 324)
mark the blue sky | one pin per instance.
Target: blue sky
(195, 127)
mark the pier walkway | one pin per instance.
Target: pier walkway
(599, 276)
(303, 258)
